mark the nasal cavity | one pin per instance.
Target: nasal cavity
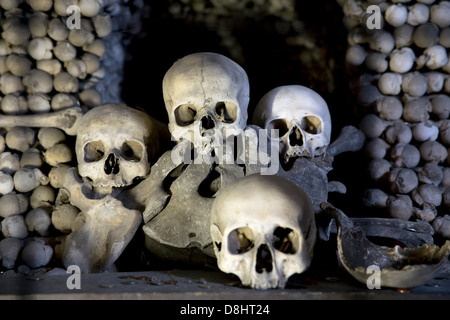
(207, 123)
(264, 260)
(295, 137)
(111, 164)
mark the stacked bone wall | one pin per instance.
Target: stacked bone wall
(398, 59)
(52, 57)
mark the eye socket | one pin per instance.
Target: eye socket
(226, 111)
(240, 240)
(185, 114)
(311, 124)
(132, 151)
(285, 240)
(94, 151)
(278, 124)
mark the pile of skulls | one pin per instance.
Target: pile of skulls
(398, 58)
(54, 56)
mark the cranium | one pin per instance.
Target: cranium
(111, 145)
(205, 93)
(263, 230)
(302, 118)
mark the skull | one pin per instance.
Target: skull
(111, 145)
(263, 230)
(302, 118)
(205, 93)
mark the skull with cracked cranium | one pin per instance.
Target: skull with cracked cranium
(206, 94)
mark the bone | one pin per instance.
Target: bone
(403, 180)
(48, 137)
(6, 183)
(379, 169)
(426, 35)
(419, 13)
(20, 138)
(401, 60)
(425, 131)
(433, 151)
(14, 31)
(66, 83)
(12, 204)
(51, 66)
(14, 227)
(38, 81)
(374, 198)
(396, 14)
(441, 106)
(37, 24)
(403, 35)
(40, 48)
(26, 179)
(376, 62)
(32, 158)
(427, 194)
(12, 104)
(435, 81)
(38, 220)
(39, 103)
(64, 51)
(398, 132)
(440, 13)
(40, 5)
(389, 108)
(405, 155)
(376, 148)
(18, 65)
(9, 162)
(400, 207)
(83, 36)
(66, 120)
(350, 139)
(373, 126)
(56, 175)
(57, 30)
(441, 226)
(414, 84)
(444, 37)
(102, 25)
(64, 216)
(433, 58)
(58, 154)
(90, 8)
(42, 197)
(10, 83)
(9, 251)
(36, 254)
(417, 110)
(382, 41)
(390, 83)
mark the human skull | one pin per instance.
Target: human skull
(302, 118)
(112, 145)
(205, 93)
(263, 230)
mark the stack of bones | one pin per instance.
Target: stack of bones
(54, 54)
(398, 60)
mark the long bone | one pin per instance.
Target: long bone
(66, 120)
